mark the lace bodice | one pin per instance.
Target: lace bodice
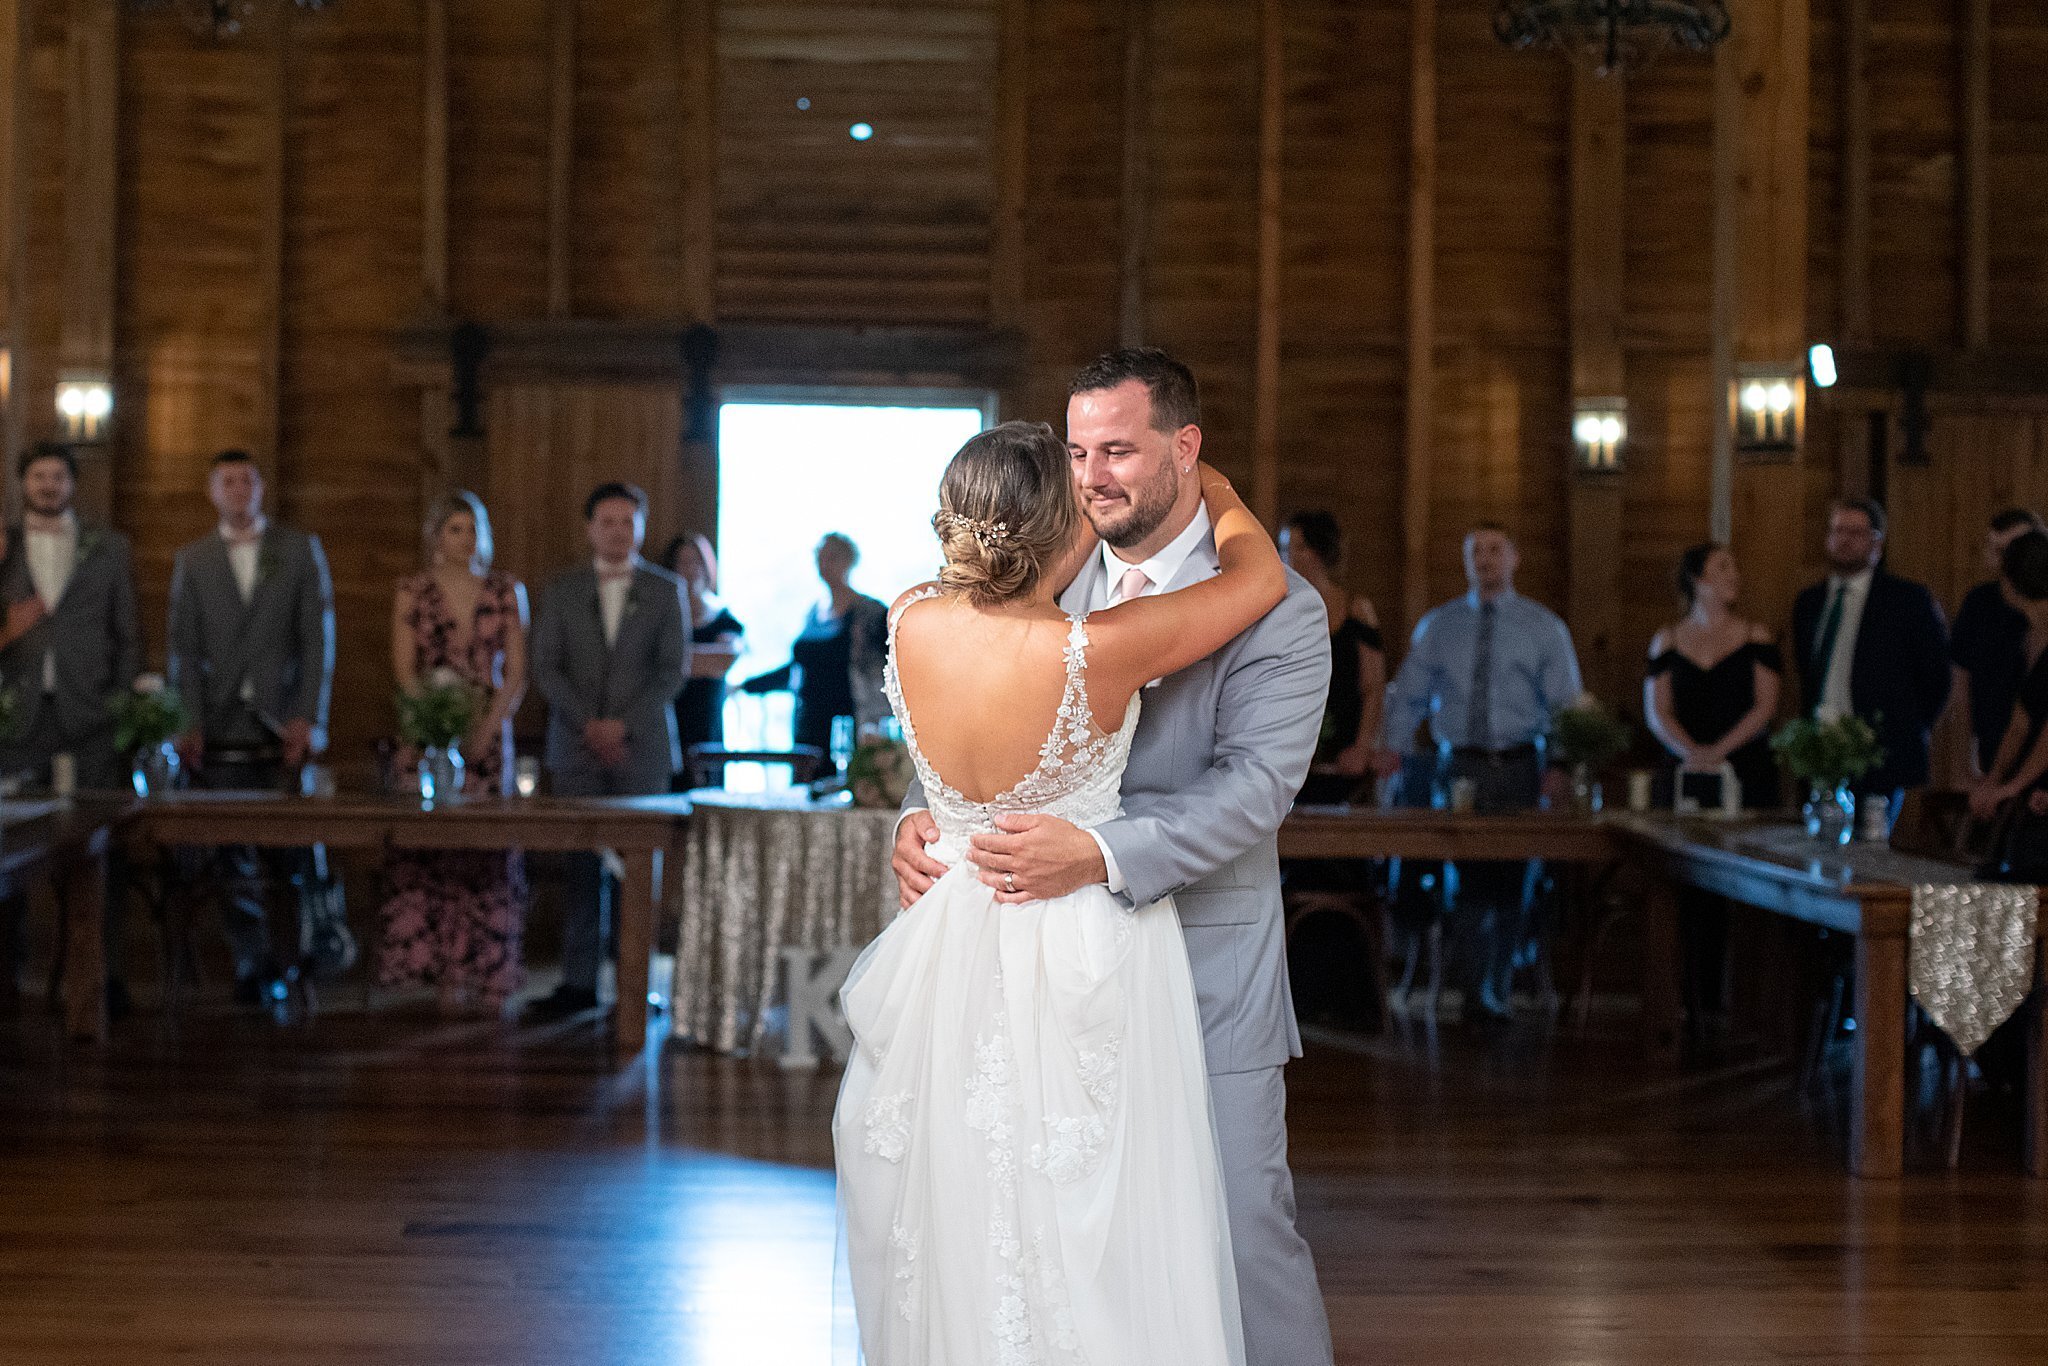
(1080, 766)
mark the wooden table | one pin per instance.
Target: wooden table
(1824, 888)
(1346, 832)
(68, 842)
(640, 829)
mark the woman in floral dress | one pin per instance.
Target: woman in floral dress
(454, 917)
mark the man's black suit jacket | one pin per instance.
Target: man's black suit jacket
(1900, 676)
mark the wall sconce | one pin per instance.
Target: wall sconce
(1770, 411)
(1599, 429)
(84, 403)
(6, 375)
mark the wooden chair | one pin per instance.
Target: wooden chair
(704, 765)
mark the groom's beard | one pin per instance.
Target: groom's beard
(1144, 511)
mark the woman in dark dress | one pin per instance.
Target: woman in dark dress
(1711, 690)
(2019, 772)
(1312, 544)
(1710, 693)
(835, 663)
(714, 643)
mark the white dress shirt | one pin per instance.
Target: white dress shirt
(1835, 701)
(52, 555)
(611, 595)
(1159, 569)
(242, 553)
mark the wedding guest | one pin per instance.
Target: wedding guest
(1312, 544)
(1986, 644)
(2019, 768)
(252, 656)
(1711, 690)
(1710, 694)
(610, 652)
(715, 636)
(1873, 645)
(71, 645)
(835, 665)
(453, 918)
(1487, 670)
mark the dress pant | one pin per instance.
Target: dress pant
(1493, 898)
(99, 769)
(589, 925)
(1281, 1302)
(251, 877)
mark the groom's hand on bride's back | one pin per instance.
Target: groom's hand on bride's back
(1036, 858)
(916, 870)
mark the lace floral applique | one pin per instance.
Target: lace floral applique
(1098, 1070)
(888, 1126)
(1073, 1148)
(910, 1273)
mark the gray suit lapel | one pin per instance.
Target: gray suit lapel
(1199, 565)
(1082, 593)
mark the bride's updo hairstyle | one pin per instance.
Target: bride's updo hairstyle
(1007, 513)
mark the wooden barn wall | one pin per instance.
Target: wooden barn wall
(1059, 174)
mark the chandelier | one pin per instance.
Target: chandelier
(217, 20)
(1611, 35)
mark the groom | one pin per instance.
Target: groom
(1220, 751)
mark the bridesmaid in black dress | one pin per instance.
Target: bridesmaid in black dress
(1711, 691)
(715, 636)
(1312, 544)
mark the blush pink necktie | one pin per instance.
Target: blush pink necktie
(1132, 585)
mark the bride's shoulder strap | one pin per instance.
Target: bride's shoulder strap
(909, 598)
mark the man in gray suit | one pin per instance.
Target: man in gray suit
(84, 645)
(1221, 749)
(74, 644)
(609, 653)
(252, 656)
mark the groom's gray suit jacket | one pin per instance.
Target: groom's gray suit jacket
(1221, 749)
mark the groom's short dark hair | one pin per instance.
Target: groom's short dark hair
(1176, 399)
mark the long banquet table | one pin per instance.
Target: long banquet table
(1860, 890)
(639, 829)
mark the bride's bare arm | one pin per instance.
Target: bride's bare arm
(1136, 642)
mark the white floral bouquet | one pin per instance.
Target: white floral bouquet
(438, 712)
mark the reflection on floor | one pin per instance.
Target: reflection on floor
(387, 1188)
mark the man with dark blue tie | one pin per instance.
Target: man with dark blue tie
(1488, 670)
(1873, 645)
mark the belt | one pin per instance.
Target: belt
(1511, 754)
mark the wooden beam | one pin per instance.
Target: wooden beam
(1012, 147)
(1421, 397)
(1266, 337)
(561, 151)
(92, 78)
(1135, 220)
(699, 206)
(1852, 447)
(268, 421)
(434, 158)
(1974, 160)
(1594, 563)
(14, 18)
(1761, 125)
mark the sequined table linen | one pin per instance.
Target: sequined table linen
(761, 872)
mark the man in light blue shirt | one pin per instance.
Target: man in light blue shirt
(1487, 670)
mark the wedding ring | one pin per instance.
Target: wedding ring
(1009, 882)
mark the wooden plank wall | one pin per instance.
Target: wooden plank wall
(281, 212)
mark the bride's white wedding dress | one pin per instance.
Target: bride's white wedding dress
(1027, 1165)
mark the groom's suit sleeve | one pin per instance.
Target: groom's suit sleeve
(1269, 713)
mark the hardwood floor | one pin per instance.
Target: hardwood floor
(391, 1189)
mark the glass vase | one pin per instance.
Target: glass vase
(441, 773)
(1587, 798)
(1830, 812)
(156, 769)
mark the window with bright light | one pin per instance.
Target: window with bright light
(792, 467)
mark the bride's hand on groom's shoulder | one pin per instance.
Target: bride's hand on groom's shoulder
(1037, 858)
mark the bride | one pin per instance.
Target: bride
(1027, 1167)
